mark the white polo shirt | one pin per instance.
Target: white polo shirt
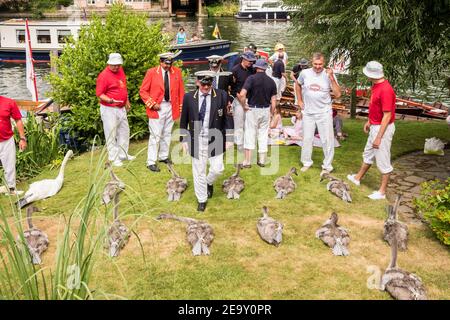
(316, 88)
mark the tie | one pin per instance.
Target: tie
(214, 83)
(203, 108)
(166, 87)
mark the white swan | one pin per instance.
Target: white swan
(45, 188)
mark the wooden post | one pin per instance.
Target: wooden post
(54, 69)
(353, 103)
(170, 7)
(199, 7)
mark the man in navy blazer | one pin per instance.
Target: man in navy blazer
(207, 130)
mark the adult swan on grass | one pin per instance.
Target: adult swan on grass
(45, 188)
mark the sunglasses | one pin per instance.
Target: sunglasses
(206, 84)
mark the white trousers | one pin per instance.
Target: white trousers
(160, 134)
(117, 131)
(8, 159)
(239, 121)
(257, 128)
(279, 83)
(324, 122)
(382, 155)
(201, 179)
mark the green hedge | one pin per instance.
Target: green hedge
(225, 8)
(434, 205)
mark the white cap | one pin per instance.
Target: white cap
(115, 59)
(215, 57)
(373, 70)
(169, 55)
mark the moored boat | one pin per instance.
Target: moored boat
(45, 37)
(264, 10)
(49, 36)
(197, 51)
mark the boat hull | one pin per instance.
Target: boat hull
(18, 55)
(195, 52)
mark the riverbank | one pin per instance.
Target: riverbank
(223, 9)
(78, 14)
(227, 8)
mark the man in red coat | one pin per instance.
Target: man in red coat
(162, 92)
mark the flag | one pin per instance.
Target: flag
(30, 75)
(216, 32)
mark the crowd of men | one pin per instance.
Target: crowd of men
(226, 109)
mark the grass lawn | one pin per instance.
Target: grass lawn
(241, 265)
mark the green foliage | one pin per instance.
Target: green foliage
(225, 8)
(412, 42)
(84, 58)
(43, 147)
(434, 204)
(37, 7)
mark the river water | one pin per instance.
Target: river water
(263, 34)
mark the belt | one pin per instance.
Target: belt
(118, 107)
(259, 105)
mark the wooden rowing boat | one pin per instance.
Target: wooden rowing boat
(289, 108)
(404, 107)
(40, 108)
(33, 106)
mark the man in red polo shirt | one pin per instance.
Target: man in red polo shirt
(114, 104)
(8, 110)
(381, 128)
(162, 91)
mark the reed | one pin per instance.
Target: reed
(43, 148)
(76, 253)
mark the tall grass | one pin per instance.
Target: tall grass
(43, 146)
(75, 255)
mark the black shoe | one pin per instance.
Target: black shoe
(166, 161)
(201, 206)
(262, 165)
(210, 190)
(154, 168)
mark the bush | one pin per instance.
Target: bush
(224, 8)
(84, 58)
(43, 147)
(434, 205)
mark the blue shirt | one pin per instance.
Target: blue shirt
(181, 38)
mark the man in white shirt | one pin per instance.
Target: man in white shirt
(314, 86)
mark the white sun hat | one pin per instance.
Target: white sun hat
(373, 70)
(115, 59)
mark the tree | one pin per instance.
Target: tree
(35, 6)
(84, 58)
(409, 37)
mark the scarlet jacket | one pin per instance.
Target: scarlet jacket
(152, 91)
